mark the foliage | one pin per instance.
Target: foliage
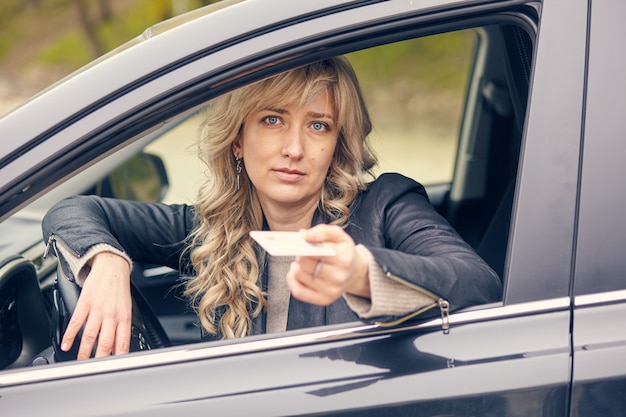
(25, 22)
(441, 58)
(136, 18)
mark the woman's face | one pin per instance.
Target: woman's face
(287, 152)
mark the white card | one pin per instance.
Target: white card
(289, 244)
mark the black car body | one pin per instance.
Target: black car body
(537, 189)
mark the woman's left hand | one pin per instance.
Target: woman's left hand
(322, 280)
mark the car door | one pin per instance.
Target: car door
(511, 358)
(599, 331)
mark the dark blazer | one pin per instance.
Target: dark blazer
(393, 218)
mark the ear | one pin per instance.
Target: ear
(237, 148)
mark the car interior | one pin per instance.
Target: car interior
(483, 220)
(477, 199)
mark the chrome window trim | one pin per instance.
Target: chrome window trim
(170, 356)
(600, 298)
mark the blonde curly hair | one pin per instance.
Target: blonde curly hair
(225, 292)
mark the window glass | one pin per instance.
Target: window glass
(184, 169)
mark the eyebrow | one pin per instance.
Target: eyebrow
(316, 115)
(277, 110)
(312, 114)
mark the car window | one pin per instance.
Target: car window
(447, 112)
(177, 149)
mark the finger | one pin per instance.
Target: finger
(299, 276)
(122, 337)
(304, 288)
(90, 334)
(300, 288)
(317, 269)
(310, 296)
(106, 339)
(308, 265)
(326, 233)
(74, 326)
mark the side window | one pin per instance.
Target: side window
(447, 111)
(600, 261)
(178, 151)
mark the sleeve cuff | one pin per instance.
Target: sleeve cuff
(78, 265)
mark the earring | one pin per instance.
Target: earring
(238, 168)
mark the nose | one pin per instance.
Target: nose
(293, 144)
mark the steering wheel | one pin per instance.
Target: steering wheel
(146, 334)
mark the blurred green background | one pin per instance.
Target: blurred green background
(41, 41)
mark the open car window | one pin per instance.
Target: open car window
(448, 111)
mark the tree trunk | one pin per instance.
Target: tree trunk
(106, 14)
(90, 27)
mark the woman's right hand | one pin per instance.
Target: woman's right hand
(105, 307)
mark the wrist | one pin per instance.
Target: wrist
(107, 253)
(361, 284)
(110, 264)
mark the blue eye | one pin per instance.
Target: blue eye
(319, 126)
(272, 120)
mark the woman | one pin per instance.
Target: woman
(287, 153)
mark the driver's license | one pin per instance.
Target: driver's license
(289, 244)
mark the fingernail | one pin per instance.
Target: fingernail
(65, 347)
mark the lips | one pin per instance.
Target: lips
(289, 175)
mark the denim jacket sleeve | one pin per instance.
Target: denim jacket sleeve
(147, 232)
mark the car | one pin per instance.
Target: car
(526, 158)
